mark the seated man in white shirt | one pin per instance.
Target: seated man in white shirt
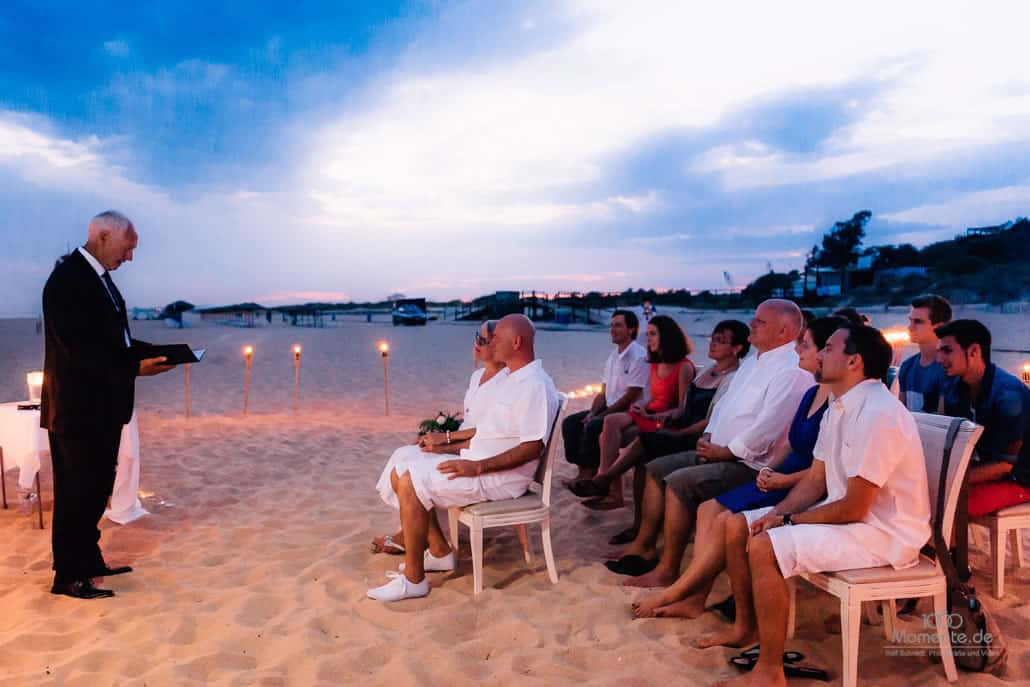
(756, 410)
(876, 511)
(499, 463)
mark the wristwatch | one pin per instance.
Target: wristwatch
(787, 520)
(448, 436)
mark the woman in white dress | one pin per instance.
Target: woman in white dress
(480, 394)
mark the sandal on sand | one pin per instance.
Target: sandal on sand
(386, 544)
(632, 565)
(587, 488)
(746, 660)
(752, 655)
(603, 503)
(623, 537)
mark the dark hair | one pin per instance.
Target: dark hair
(738, 332)
(822, 328)
(491, 325)
(939, 307)
(851, 315)
(673, 344)
(631, 320)
(869, 343)
(967, 333)
(807, 315)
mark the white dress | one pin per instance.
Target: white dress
(477, 398)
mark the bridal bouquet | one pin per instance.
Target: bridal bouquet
(444, 422)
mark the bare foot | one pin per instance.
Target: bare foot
(733, 636)
(690, 607)
(645, 606)
(655, 578)
(758, 677)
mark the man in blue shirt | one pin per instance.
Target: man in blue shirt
(921, 379)
(1000, 474)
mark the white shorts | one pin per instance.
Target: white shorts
(434, 488)
(825, 548)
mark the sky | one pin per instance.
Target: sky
(288, 152)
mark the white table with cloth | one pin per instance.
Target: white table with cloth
(24, 443)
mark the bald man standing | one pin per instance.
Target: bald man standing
(499, 463)
(90, 371)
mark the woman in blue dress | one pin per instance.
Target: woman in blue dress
(686, 597)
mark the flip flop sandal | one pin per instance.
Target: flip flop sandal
(388, 546)
(806, 672)
(602, 503)
(586, 488)
(727, 608)
(632, 565)
(623, 537)
(747, 659)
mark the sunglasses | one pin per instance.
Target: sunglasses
(482, 341)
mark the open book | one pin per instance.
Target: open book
(177, 354)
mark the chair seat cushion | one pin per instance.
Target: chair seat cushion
(1022, 510)
(923, 570)
(525, 502)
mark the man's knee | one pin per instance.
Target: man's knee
(736, 529)
(760, 552)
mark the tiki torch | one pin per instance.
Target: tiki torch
(296, 377)
(248, 355)
(384, 350)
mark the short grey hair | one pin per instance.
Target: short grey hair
(789, 311)
(109, 220)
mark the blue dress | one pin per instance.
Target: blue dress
(803, 433)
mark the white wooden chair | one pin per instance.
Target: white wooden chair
(534, 506)
(885, 584)
(1012, 519)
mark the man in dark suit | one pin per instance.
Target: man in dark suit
(89, 380)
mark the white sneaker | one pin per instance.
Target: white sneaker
(399, 588)
(431, 563)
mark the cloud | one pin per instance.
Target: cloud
(977, 208)
(116, 48)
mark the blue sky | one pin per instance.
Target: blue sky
(351, 150)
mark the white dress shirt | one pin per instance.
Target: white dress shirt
(624, 370)
(99, 269)
(868, 433)
(759, 404)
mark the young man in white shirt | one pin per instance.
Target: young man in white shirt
(758, 406)
(625, 378)
(499, 463)
(876, 511)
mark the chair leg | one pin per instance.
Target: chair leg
(3, 482)
(524, 538)
(39, 501)
(998, 556)
(476, 542)
(890, 618)
(545, 532)
(452, 525)
(850, 628)
(792, 606)
(974, 536)
(871, 616)
(940, 611)
(1017, 546)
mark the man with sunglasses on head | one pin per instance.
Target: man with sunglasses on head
(626, 374)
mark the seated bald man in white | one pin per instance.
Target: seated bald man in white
(498, 464)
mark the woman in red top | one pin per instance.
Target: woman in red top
(671, 375)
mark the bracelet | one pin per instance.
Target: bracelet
(448, 436)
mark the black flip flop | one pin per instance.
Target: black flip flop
(586, 488)
(746, 661)
(632, 565)
(805, 672)
(727, 608)
(751, 655)
(623, 537)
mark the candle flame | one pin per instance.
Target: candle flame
(248, 350)
(296, 349)
(384, 347)
(897, 337)
(35, 378)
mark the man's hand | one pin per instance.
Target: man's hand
(766, 522)
(770, 480)
(149, 367)
(460, 468)
(712, 453)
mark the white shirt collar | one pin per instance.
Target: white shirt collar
(626, 351)
(93, 262)
(775, 352)
(525, 370)
(855, 394)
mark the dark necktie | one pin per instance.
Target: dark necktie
(112, 291)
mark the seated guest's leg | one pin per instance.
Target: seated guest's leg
(685, 598)
(677, 523)
(415, 523)
(611, 440)
(990, 497)
(402, 456)
(572, 434)
(744, 630)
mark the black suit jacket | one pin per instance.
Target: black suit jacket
(89, 374)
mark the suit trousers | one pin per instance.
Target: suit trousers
(582, 442)
(84, 472)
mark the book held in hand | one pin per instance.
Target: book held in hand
(177, 354)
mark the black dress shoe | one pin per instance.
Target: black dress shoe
(108, 572)
(82, 589)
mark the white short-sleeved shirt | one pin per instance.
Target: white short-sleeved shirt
(624, 370)
(522, 410)
(479, 396)
(868, 433)
(759, 404)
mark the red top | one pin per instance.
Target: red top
(666, 393)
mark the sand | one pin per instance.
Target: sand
(253, 566)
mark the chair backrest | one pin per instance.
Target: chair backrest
(542, 479)
(933, 434)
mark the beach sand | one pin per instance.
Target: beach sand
(253, 567)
